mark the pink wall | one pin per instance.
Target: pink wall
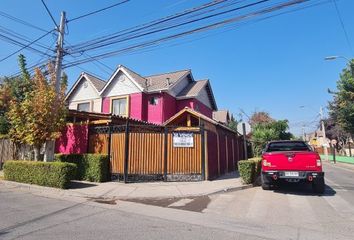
(193, 103)
(169, 106)
(136, 106)
(72, 140)
(106, 104)
(154, 112)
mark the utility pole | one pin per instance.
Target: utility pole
(59, 58)
(303, 133)
(324, 134)
(50, 144)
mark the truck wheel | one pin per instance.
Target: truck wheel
(318, 186)
(265, 183)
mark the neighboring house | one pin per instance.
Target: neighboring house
(222, 116)
(152, 98)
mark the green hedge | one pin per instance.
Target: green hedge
(91, 167)
(250, 169)
(50, 174)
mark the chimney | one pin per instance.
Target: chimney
(168, 81)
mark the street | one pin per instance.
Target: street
(285, 213)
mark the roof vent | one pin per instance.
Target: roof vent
(168, 81)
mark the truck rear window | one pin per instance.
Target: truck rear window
(287, 146)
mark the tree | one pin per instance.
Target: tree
(260, 118)
(233, 123)
(40, 116)
(265, 132)
(342, 106)
(13, 88)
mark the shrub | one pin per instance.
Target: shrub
(50, 174)
(91, 167)
(251, 169)
(246, 169)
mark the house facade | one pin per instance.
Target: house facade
(152, 99)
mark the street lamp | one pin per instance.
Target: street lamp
(351, 64)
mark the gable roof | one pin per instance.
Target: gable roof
(96, 82)
(197, 115)
(222, 116)
(159, 81)
(194, 88)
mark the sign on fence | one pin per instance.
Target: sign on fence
(183, 139)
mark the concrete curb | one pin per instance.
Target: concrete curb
(56, 192)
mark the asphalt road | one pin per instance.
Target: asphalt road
(285, 213)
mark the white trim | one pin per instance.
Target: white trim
(82, 75)
(120, 68)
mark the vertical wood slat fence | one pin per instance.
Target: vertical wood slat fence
(140, 153)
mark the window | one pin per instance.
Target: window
(119, 106)
(154, 101)
(287, 146)
(83, 107)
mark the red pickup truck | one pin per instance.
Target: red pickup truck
(291, 161)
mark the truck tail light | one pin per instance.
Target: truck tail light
(319, 163)
(266, 164)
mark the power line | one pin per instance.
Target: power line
(21, 37)
(342, 24)
(50, 14)
(196, 30)
(6, 15)
(146, 26)
(16, 42)
(26, 46)
(97, 11)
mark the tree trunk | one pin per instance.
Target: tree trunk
(49, 151)
(37, 150)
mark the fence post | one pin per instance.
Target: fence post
(203, 150)
(126, 152)
(165, 154)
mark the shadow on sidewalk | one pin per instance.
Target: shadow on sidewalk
(78, 185)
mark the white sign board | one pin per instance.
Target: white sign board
(240, 128)
(183, 139)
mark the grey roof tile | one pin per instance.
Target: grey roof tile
(97, 83)
(193, 89)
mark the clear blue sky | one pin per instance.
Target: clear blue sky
(275, 65)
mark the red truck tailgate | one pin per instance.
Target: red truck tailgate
(291, 160)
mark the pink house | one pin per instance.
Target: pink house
(153, 98)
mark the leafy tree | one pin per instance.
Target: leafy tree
(233, 123)
(41, 114)
(13, 88)
(342, 106)
(260, 118)
(264, 132)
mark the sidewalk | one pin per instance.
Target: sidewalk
(118, 190)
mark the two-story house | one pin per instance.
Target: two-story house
(153, 98)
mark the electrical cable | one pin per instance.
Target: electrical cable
(26, 46)
(50, 14)
(97, 11)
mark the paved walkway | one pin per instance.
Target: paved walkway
(117, 190)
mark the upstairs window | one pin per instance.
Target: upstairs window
(120, 107)
(154, 101)
(85, 107)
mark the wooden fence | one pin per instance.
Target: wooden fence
(148, 152)
(140, 153)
